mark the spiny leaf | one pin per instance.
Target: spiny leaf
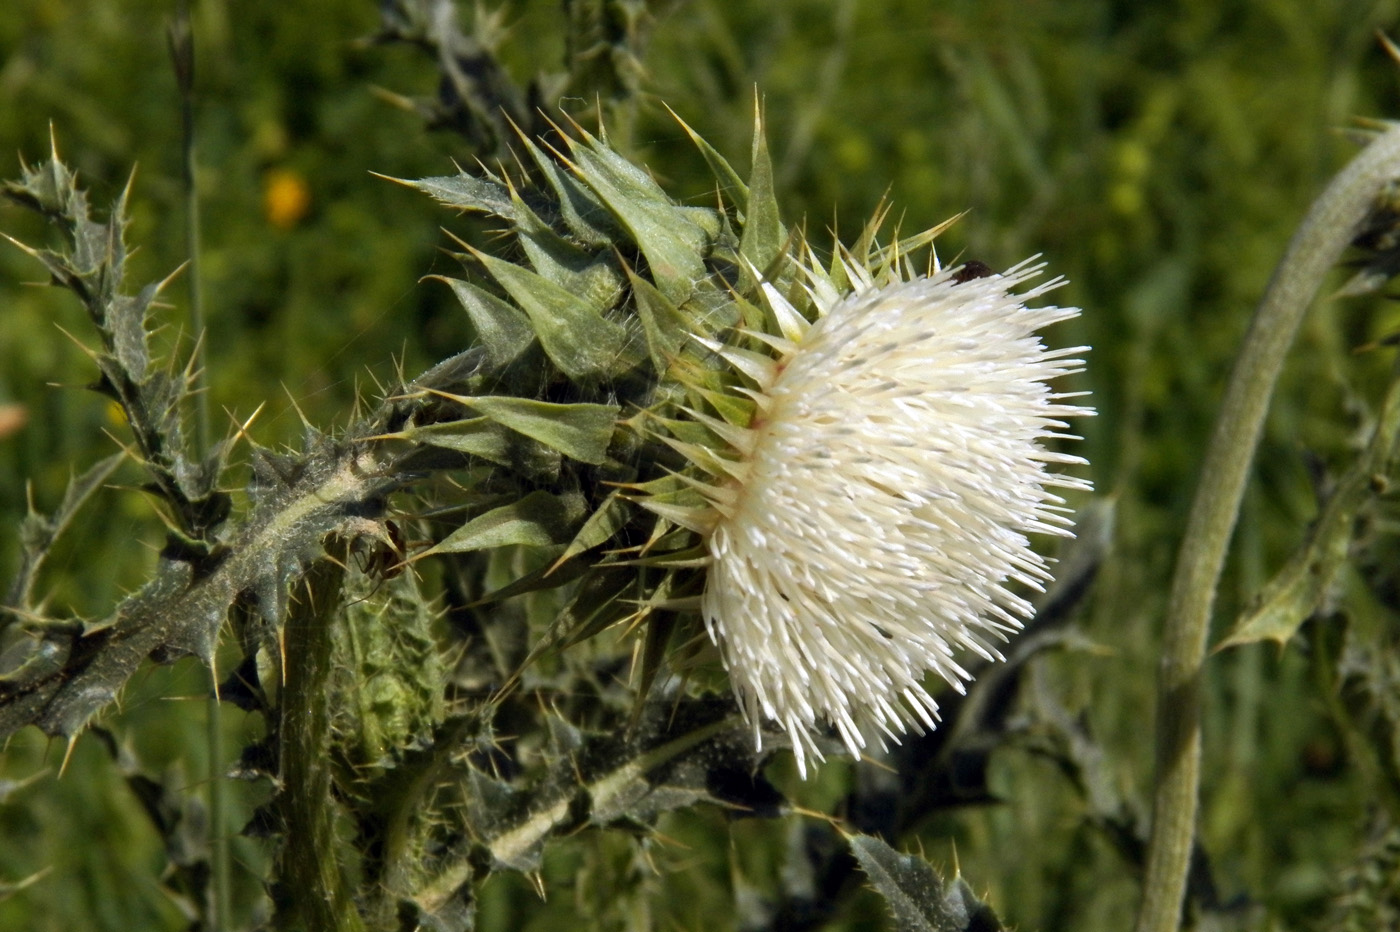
(38, 532)
(579, 431)
(332, 489)
(93, 268)
(920, 900)
(612, 778)
(550, 576)
(731, 185)
(762, 240)
(593, 278)
(659, 629)
(735, 410)
(601, 602)
(583, 213)
(673, 244)
(466, 192)
(600, 527)
(504, 332)
(126, 318)
(488, 439)
(663, 325)
(1292, 596)
(537, 520)
(574, 334)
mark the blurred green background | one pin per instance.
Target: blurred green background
(1157, 154)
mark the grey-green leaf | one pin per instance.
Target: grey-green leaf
(663, 325)
(579, 431)
(38, 532)
(574, 334)
(920, 900)
(600, 526)
(503, 330)
(585, 216)
(593, 278)
(477, 436)
(466, 192)
(537, 520)
(673, 244)
(1302, 585)
(762, 240)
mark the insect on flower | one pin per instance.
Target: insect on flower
(972, 269)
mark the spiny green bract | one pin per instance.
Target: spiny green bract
(597, 330)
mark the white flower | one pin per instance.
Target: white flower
(874, 515)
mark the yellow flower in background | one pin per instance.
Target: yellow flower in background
(868, 526)
(13, 417)
(286, 198)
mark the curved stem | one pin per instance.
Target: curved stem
(1330, 226)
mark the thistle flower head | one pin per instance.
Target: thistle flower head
(867, 447)
(869, 523)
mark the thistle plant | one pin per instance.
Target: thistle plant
(722, 562)
(676, 422)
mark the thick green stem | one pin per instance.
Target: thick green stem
(315, 890)
(1328, 229)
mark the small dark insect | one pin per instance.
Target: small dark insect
(970, 270)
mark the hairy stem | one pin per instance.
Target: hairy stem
(316, 893)
(1330, 226)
